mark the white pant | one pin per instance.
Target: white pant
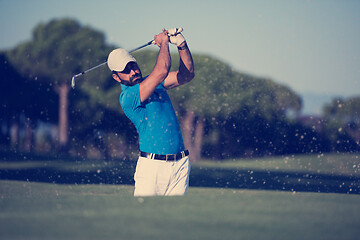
(156, 177)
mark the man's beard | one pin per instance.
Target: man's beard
(136, 75)
(131, 82)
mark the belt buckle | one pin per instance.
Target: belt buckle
(169, 155)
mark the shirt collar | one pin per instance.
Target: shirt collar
(124, 87)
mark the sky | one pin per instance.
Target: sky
(307, 45)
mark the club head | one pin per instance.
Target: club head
(73, 82)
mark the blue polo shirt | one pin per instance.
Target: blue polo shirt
(155, 120)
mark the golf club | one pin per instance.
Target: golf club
(82, 73)
(178, 30)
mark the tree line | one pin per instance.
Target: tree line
(223, 113)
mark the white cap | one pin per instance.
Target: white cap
(118, 59)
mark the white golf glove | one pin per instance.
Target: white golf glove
(175, 36)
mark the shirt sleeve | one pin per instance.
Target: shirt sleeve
(130, 99)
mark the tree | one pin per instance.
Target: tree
(11, 91)
(56, 51)
(342, 123)
(219, 95)
(23, 98)
(218, 99)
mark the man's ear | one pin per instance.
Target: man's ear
(116, 77)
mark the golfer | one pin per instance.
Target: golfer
(163, 166)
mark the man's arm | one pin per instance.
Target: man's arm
(185, 73)
(161, 69)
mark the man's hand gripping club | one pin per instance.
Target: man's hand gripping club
(176, 37)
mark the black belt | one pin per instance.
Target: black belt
(167, 157)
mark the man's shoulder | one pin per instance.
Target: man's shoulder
(129, 91)
(130, 96)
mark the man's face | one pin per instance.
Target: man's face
(130, 76)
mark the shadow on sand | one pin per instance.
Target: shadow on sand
(200, 177)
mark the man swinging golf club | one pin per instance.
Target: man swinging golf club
(163, 166)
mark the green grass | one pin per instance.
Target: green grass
(50, 211)
(339, 164)
(34, 210)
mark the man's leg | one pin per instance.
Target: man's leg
(179, 181)
(152, 177)
(144, 177)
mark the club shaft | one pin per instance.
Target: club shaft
(101, 64)
(177, 31)
(79, 74)
(142, 46)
